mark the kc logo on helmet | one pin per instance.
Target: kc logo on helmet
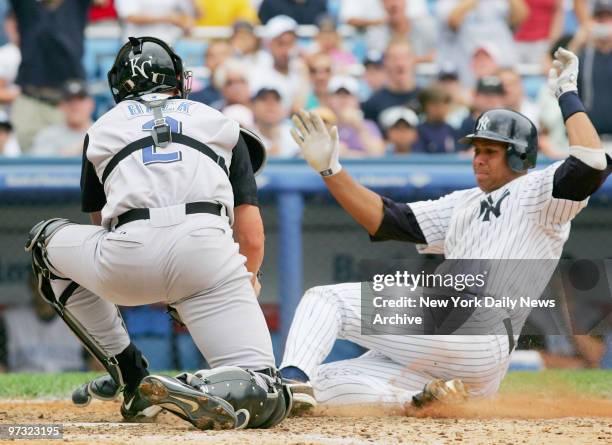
(483, 124)
(141, 69)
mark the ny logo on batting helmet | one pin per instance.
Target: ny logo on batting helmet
(483, 124)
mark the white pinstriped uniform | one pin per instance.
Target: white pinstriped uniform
(530, 224)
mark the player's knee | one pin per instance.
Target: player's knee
(266, 400)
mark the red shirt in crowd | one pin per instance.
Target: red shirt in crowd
(538, 23)
(97, 13)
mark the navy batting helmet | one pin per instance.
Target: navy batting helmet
(147, 65)
(513, 128)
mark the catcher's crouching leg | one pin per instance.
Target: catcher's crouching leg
(226, 397)
(127, 368)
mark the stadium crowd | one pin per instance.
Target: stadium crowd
(396, 76)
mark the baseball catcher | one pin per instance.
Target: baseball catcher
(165, 179)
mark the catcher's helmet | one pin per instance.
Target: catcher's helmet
(513, 128)
(147, 65)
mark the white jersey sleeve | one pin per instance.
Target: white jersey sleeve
(536, 197)
(434, 218)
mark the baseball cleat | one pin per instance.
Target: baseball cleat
(303, 397)
(452, 391)
(136, 408)
(202, 410)
(102, 388)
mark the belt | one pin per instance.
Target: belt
(46, 94)
(190, 209)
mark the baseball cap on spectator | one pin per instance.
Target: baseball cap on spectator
(392, 116)
(242, 24)
(280, 25)
(602, 7)
(373, 57)
(5, 122)
(490, 85)
(241, 114)
(74, 88)
(261, 90)
(346, 84)
(490, 48)
(448, 71)
(326, 23)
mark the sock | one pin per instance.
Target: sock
(133, 367)
(294, 373)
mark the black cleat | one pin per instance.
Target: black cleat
(136, 408)
(102, 388)
(202, 410)
(303, 397)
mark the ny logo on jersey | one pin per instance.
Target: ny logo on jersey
(483, 124)
(141, 68)
(487, 206)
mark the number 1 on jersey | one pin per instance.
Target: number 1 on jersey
(151, 156)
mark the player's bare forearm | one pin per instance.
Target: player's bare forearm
(96, 218)
(365, 206)
(249, 234)
(581, 132)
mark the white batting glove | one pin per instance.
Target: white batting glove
(563, 77)
(319, 146)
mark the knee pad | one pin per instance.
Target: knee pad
(37, 241)
(262, 396)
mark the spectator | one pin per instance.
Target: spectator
(271, 121)
(247, 45)
(515, 94)
(304, 12)
(466, 24)
(543, 25)
(371, 19)
(359, 137)
(51, 43)
(241, 114)
(448, 80)
(224, 13)
(552, 136)
(489, 94)
(400, 88)
(328, 41)
(320, 69)
(37, 340)
(167, 20)
(596, 62)
(421, 32)
(374, 74)
(10, 58)
(400, 127)
(217, 52)
(9, 147)
(66, 139)
(230, 78)
(435, 135)
(285, 69)
(486, 60)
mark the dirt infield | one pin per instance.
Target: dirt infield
(506, 420)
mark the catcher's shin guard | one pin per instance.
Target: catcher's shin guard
(44, 272)
(258, 397)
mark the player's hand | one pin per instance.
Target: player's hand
(563, 77)
(319, 146)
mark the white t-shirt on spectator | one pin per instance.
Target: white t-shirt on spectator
(288, 147)
(373, 9)
(157, 8)
(10, 58)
